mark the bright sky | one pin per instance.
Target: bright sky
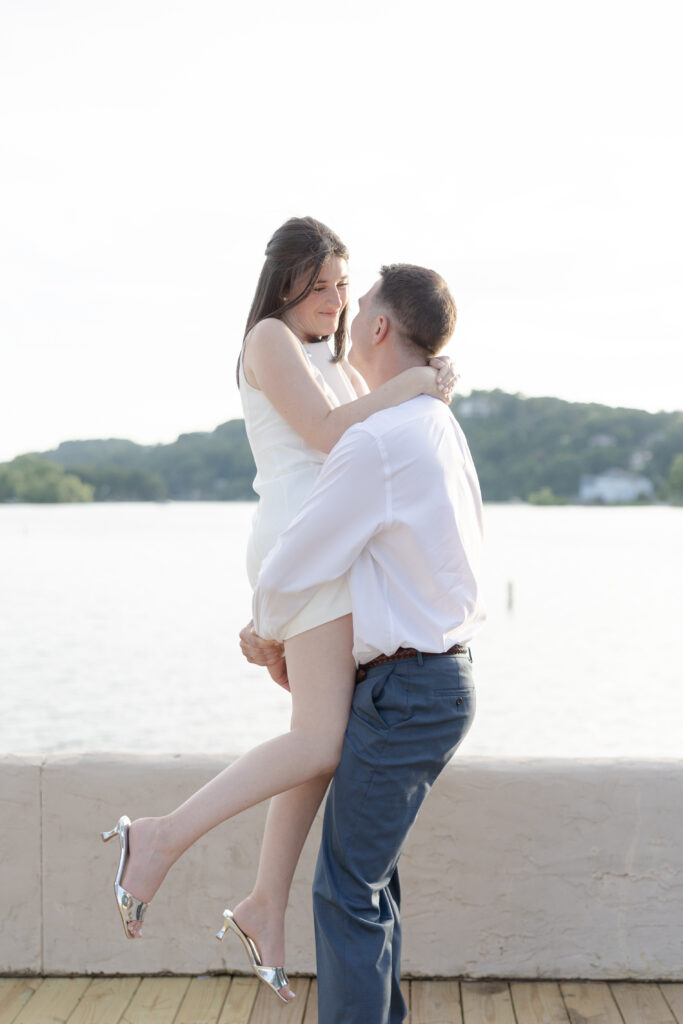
(531, 152)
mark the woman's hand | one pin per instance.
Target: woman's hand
(446, 378)
(258, 651)
(437, 380)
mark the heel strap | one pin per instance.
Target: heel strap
(273, 976)
(130, 908)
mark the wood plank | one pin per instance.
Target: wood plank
(268, 1008)
(538, 1002)
(406, 992)
(641, 1003)
(105, 1001)
(486, 1002)
(435, 1002)
(673, 993)
(241, 998)
(311, 1012)
(156, 1001)
(590, 1002)
(203, 1000)
(311, 1015)
(14, 994)
(54, 1001)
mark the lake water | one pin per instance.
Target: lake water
(118, 632)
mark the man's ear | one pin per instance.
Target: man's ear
(380, 329)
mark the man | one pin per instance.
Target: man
(397, 506)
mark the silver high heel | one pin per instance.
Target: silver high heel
(130, 908)
(273, 977)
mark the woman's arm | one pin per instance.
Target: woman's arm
(275, 363)
(446, 378)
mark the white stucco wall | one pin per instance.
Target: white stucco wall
(523, 869)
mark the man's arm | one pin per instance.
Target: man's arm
(346, 507)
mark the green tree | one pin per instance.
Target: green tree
(676, 475)
(112, 483)
(545, 496)
(6, 485)
(28, 478)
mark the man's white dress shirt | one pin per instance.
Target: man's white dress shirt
(397, 505)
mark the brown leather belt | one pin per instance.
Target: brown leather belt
(405, 652)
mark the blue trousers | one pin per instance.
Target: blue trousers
(407, 719)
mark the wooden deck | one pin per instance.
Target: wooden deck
(238, 1000)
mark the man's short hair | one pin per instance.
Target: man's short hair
(422, 304)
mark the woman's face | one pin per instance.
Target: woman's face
(317, 316)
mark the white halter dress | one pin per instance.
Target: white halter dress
(287, 469)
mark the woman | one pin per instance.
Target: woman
(297, 404)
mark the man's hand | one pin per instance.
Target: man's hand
(259, 651)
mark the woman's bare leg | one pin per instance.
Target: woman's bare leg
(321, 676)
(262, 914)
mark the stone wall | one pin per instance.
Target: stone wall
(523, 869)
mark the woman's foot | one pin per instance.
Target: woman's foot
(149, 860)
(265, 926)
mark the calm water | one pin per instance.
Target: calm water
(118, 631)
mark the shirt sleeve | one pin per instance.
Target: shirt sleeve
(346, 508)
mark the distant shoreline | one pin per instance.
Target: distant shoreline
(544, 451)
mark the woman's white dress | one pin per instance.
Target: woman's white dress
(287, 469)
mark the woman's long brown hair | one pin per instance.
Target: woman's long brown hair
(298, 250)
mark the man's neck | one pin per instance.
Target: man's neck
(390, 367)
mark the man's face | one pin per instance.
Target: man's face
(362, 331)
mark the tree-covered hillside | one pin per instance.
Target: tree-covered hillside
(215, 466)
(522, 447)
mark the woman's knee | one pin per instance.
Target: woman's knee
(332, 756)
(325, 748)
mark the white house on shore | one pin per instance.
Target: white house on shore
(476, 406)
(615, 485)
